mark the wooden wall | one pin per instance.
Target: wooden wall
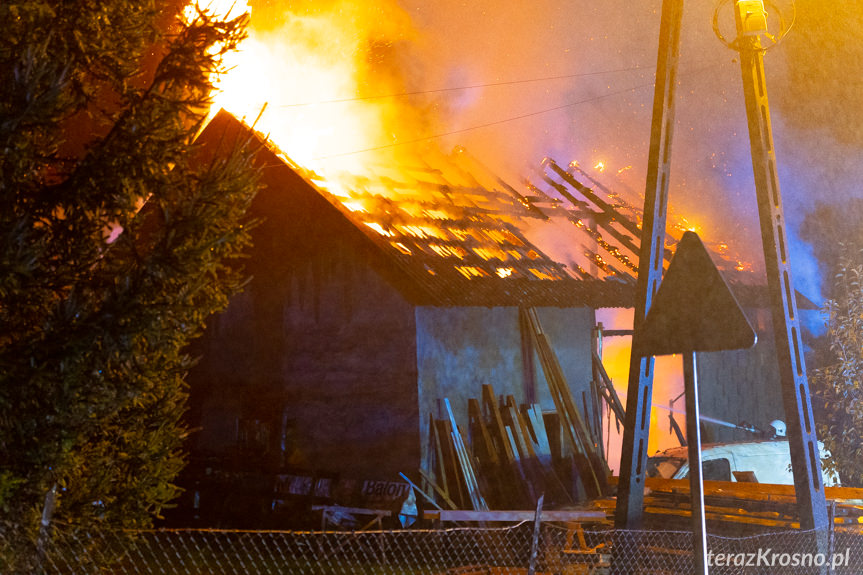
(741, 385)
(315, 364)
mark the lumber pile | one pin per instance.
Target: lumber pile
(507, 462)
(757, 506)
(510, 453)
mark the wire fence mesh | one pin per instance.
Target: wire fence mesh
(566, 549)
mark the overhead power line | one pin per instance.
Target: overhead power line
(488, 124)
(470, 87)
(502, 121)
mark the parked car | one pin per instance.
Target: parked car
(768, 460)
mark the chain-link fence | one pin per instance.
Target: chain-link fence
(558, 548)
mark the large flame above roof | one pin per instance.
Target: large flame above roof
(316, 80)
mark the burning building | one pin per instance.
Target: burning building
(367, 309)
(376, 298)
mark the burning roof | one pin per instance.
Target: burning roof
(464, 237)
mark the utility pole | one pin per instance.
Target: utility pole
(751, 21)
(636, 429)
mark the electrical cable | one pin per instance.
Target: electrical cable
(503, 121)
(470, 87)
(486, 125)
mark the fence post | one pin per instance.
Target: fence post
(831, 534)
(44, 525)
(534, 544)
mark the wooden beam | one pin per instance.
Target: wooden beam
(480, 432)
(465, 461)
(534, 414)
(490, 516)
(744, 491)
(607, 388)
(437, 488)
(489, 400)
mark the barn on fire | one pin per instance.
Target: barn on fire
(374, 301)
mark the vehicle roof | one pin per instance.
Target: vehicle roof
(751, 447)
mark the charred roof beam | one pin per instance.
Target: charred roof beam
(605, 217)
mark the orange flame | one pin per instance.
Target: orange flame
(308, 76)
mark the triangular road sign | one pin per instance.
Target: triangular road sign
(694, 310)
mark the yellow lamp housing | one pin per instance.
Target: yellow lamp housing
(751, 18)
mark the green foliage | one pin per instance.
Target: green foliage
(840, 384)
(98, 112)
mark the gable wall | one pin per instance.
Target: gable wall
(320, 348)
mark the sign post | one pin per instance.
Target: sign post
(694, 311)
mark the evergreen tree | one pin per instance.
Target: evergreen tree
(117, 241)
(840, 384)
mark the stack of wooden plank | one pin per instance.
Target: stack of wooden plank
(509, 453)
(580, 438)
(758, 506)
(514, 454)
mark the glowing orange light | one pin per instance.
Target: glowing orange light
(599, 166)
(424, 232)
(402, 248)
(687, 226)
(438, 214)
(335, 188)
(355, 207)
(380, 229)
(490, 253)
(541, 274)
(447, 251)
(471, 271)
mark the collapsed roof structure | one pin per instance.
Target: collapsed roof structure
(466, 237)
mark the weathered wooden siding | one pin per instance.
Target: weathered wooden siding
(741, 385)
(320, 348)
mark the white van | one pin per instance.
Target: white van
(769, 460)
